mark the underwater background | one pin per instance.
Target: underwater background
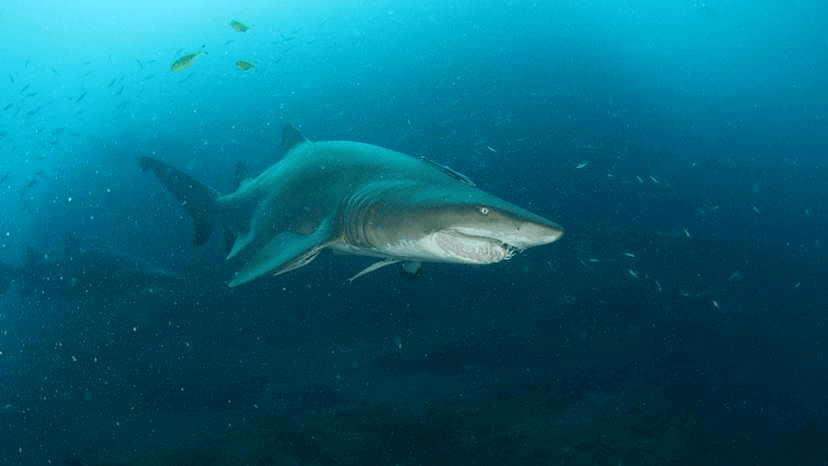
(681, 320)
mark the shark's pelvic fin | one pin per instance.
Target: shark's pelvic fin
(240, 242)
(242, 176)
(198, 198)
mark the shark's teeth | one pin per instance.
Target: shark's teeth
(475, 250)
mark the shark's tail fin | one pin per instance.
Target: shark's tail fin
(198, 198)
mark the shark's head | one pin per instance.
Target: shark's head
(457, 224)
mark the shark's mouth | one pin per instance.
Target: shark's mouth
(474, 249)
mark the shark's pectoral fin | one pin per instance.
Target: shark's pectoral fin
(372, 267)
(240, 242)
(285, 252)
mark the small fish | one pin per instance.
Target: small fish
(24, 88)
(80, 97)
(111, 83)
(11, 77)
(57, 131)
(240, 26)
(33, 111)
(245, 65)
(120, 90)
(140, 64)
(186, 60)
(31, 94)
(88, 73)
(5, 177)
(8, 106)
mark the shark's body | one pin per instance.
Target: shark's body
(85, 272)
(357, 199)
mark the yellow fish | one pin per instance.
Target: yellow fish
(186, 60)
(240, 26)
(245, 65)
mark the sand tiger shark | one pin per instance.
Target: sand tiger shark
(354, 198)
(86, 272)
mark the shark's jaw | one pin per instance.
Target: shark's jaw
(446, 246)
(455, 246)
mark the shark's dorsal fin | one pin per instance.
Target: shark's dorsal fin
(291, 137)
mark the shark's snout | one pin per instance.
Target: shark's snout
(535, 234)
(520, 236)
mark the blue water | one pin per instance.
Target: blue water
(681, 319)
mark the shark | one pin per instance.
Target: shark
(85, 271)
(357, 199)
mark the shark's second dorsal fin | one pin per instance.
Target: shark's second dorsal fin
(241, 175)
(291, 137)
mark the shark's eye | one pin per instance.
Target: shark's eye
(484, 210)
